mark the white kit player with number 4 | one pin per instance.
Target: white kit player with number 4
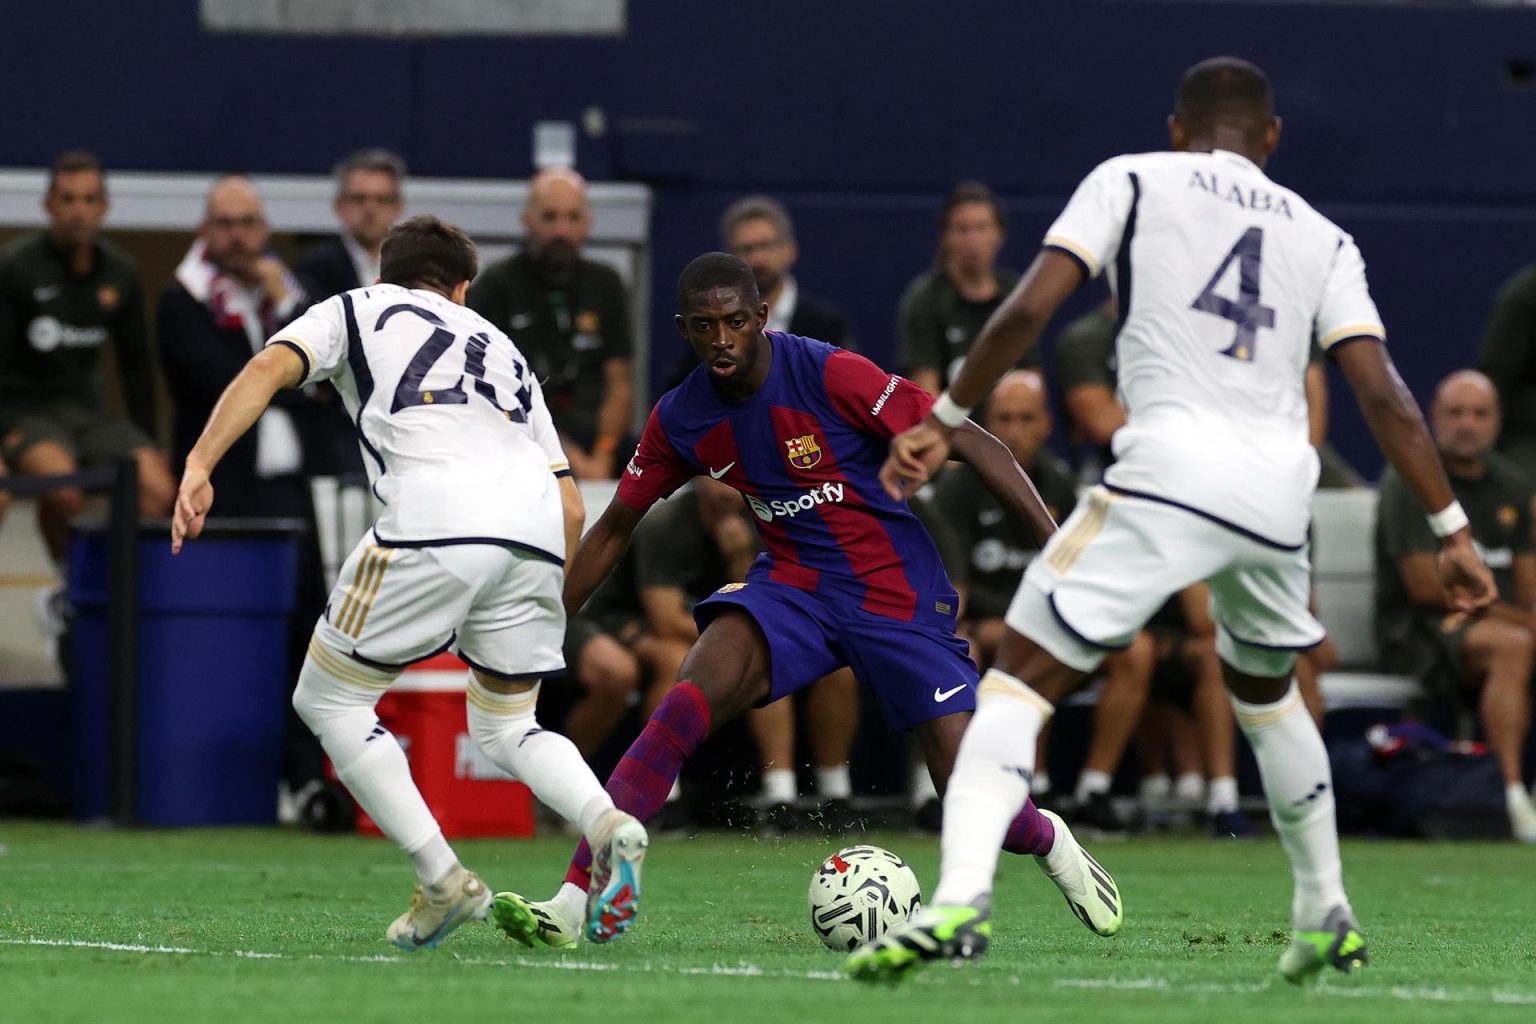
(1223, 279)
(468, 553)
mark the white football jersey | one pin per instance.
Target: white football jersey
(457, 439)
(1222, 279)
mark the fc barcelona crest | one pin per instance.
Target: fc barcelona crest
(803, 452)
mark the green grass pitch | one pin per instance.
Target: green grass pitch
(254, 925)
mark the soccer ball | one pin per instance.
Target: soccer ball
(860, 893)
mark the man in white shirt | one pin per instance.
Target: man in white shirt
(1222, 278)
(468, 554)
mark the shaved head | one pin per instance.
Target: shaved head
(557, 219)
(1017, 414)
(234, 226)
(1465, 417)
(1466, 384)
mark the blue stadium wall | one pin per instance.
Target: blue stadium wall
(1415, 127)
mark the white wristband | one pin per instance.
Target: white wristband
(948, 413)
(1448, 520)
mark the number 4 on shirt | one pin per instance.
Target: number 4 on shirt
(1248, 313)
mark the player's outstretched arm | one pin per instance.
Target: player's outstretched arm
(236, 411)
(1004, 477)
(1398, 426)
(599, 551)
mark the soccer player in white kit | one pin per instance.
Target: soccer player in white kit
(468, 554)
(1222, 279)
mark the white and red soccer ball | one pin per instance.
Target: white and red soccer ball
(859, 893)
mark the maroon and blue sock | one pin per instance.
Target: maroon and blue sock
(644, 777)
(1030, 832)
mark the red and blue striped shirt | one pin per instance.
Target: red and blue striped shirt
(805, 450)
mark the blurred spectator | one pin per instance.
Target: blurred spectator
(230, 295)
(1418, 632)
(570, 317)
(1508, 357)
(943, 310)
(367, 204)
(684, 551)
(64, 293)
(758, 230)
(987, 551)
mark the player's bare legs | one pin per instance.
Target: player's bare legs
(55, 508)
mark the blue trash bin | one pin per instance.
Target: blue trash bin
(213, 671)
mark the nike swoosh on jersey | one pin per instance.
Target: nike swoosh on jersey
(716, 474)
(940, 696)
(522, 320)
(991, 517)
(45, 293)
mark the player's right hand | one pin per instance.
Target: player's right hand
(1465, 578)
(193, 500)
(916, 454)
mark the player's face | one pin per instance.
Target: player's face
(76, 206)
(236, 232)
(1017, 416)
(972, 238)
(725, 331)
(759, 245)
(1466, 421)
(557, 220)
(369, 205)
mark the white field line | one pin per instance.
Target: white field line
(1343, 990)
(1503, 997)
(557, 963)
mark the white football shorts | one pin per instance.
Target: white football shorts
(1118, 558)
(498, 609)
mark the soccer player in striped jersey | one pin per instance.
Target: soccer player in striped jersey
(849, 575)
(1222, 278)
(479, 511)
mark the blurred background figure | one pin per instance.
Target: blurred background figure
(66, 293)
(1508, 358)
(369, 200)
(943, 309)
(570, 317)
(1492, 656)
(231, 293)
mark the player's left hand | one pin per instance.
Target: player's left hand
(916, 454)
(193, 501)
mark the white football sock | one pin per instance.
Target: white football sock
(507, 730)
(335, 697)
(1189, 788)
(779, 786)
(1522, 813)
(1091, 782)
(989, 785)
(570, 902)
(1221, 795)
(1299, 787)
(1041, 783)
(1156, 787)
(834, 783)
